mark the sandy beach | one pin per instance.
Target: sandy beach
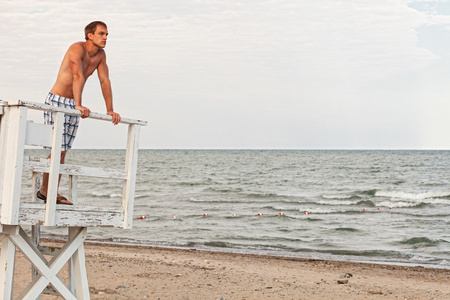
(139, 272)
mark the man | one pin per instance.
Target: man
(79, 62)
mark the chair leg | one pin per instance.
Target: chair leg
(36, 238)
(78, 262)
(7, 261)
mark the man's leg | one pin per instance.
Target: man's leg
(44, 186)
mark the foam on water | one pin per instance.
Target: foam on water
(443, 196)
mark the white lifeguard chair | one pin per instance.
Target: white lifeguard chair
(15, 133)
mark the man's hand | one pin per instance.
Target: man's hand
(85, 112)
(115, 117)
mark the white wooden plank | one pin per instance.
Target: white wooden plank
(34, 186)
(73, 189)
(38, 134)
(66, 169)
(81, 281)
(12, 166)
(69, 208)
(7, 263)
(36, 159)
(36, 238)
(4, 123)
(33, 214)
(53, 177)
(73, 112)
(130, 169)
(78, 282)
(35, 229)
(72, 286)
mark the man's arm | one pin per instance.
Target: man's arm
(76, 53)
(105, 83)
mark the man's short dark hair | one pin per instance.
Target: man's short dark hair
(91, 27)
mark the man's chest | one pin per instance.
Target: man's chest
(90, 65)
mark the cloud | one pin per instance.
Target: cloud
(274, 66)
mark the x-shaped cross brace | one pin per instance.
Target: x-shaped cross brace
(73, 249)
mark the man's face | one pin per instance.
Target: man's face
(100, 36)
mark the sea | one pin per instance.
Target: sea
(390, 207)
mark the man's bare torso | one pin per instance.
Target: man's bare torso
(64, 82)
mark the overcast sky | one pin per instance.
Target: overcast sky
(278, 74)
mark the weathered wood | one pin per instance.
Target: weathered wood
(66, 169)
(35, 229)
(7, 261)
(34, 186)
(73, 189)
(130, 169)
(36, 238)
(48, 270)
(53, 176)
(77, 273)
(67, 215)
(72, 285)
(12, 165)
(73, 112)
(4, 121)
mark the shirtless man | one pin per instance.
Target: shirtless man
(80, 61)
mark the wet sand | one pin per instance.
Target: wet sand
(139, 272)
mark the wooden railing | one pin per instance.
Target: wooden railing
(16, 132)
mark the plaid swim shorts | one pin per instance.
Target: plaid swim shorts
(70, 122)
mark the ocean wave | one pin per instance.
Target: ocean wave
(262, 195)
(369, 192)
(193, 183)
(356, 201)
(322, 211)
(402, 204)
(445, 262)
(108, 194)
(417, 242)
(419, 258)
(334, 203)
(444, 196)
(367, 203)
(217, 244)
(365, 253)
(215, 200)
(347, 229)
(341, 197)
(100, 194)
(223, 190)
(356, 195)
